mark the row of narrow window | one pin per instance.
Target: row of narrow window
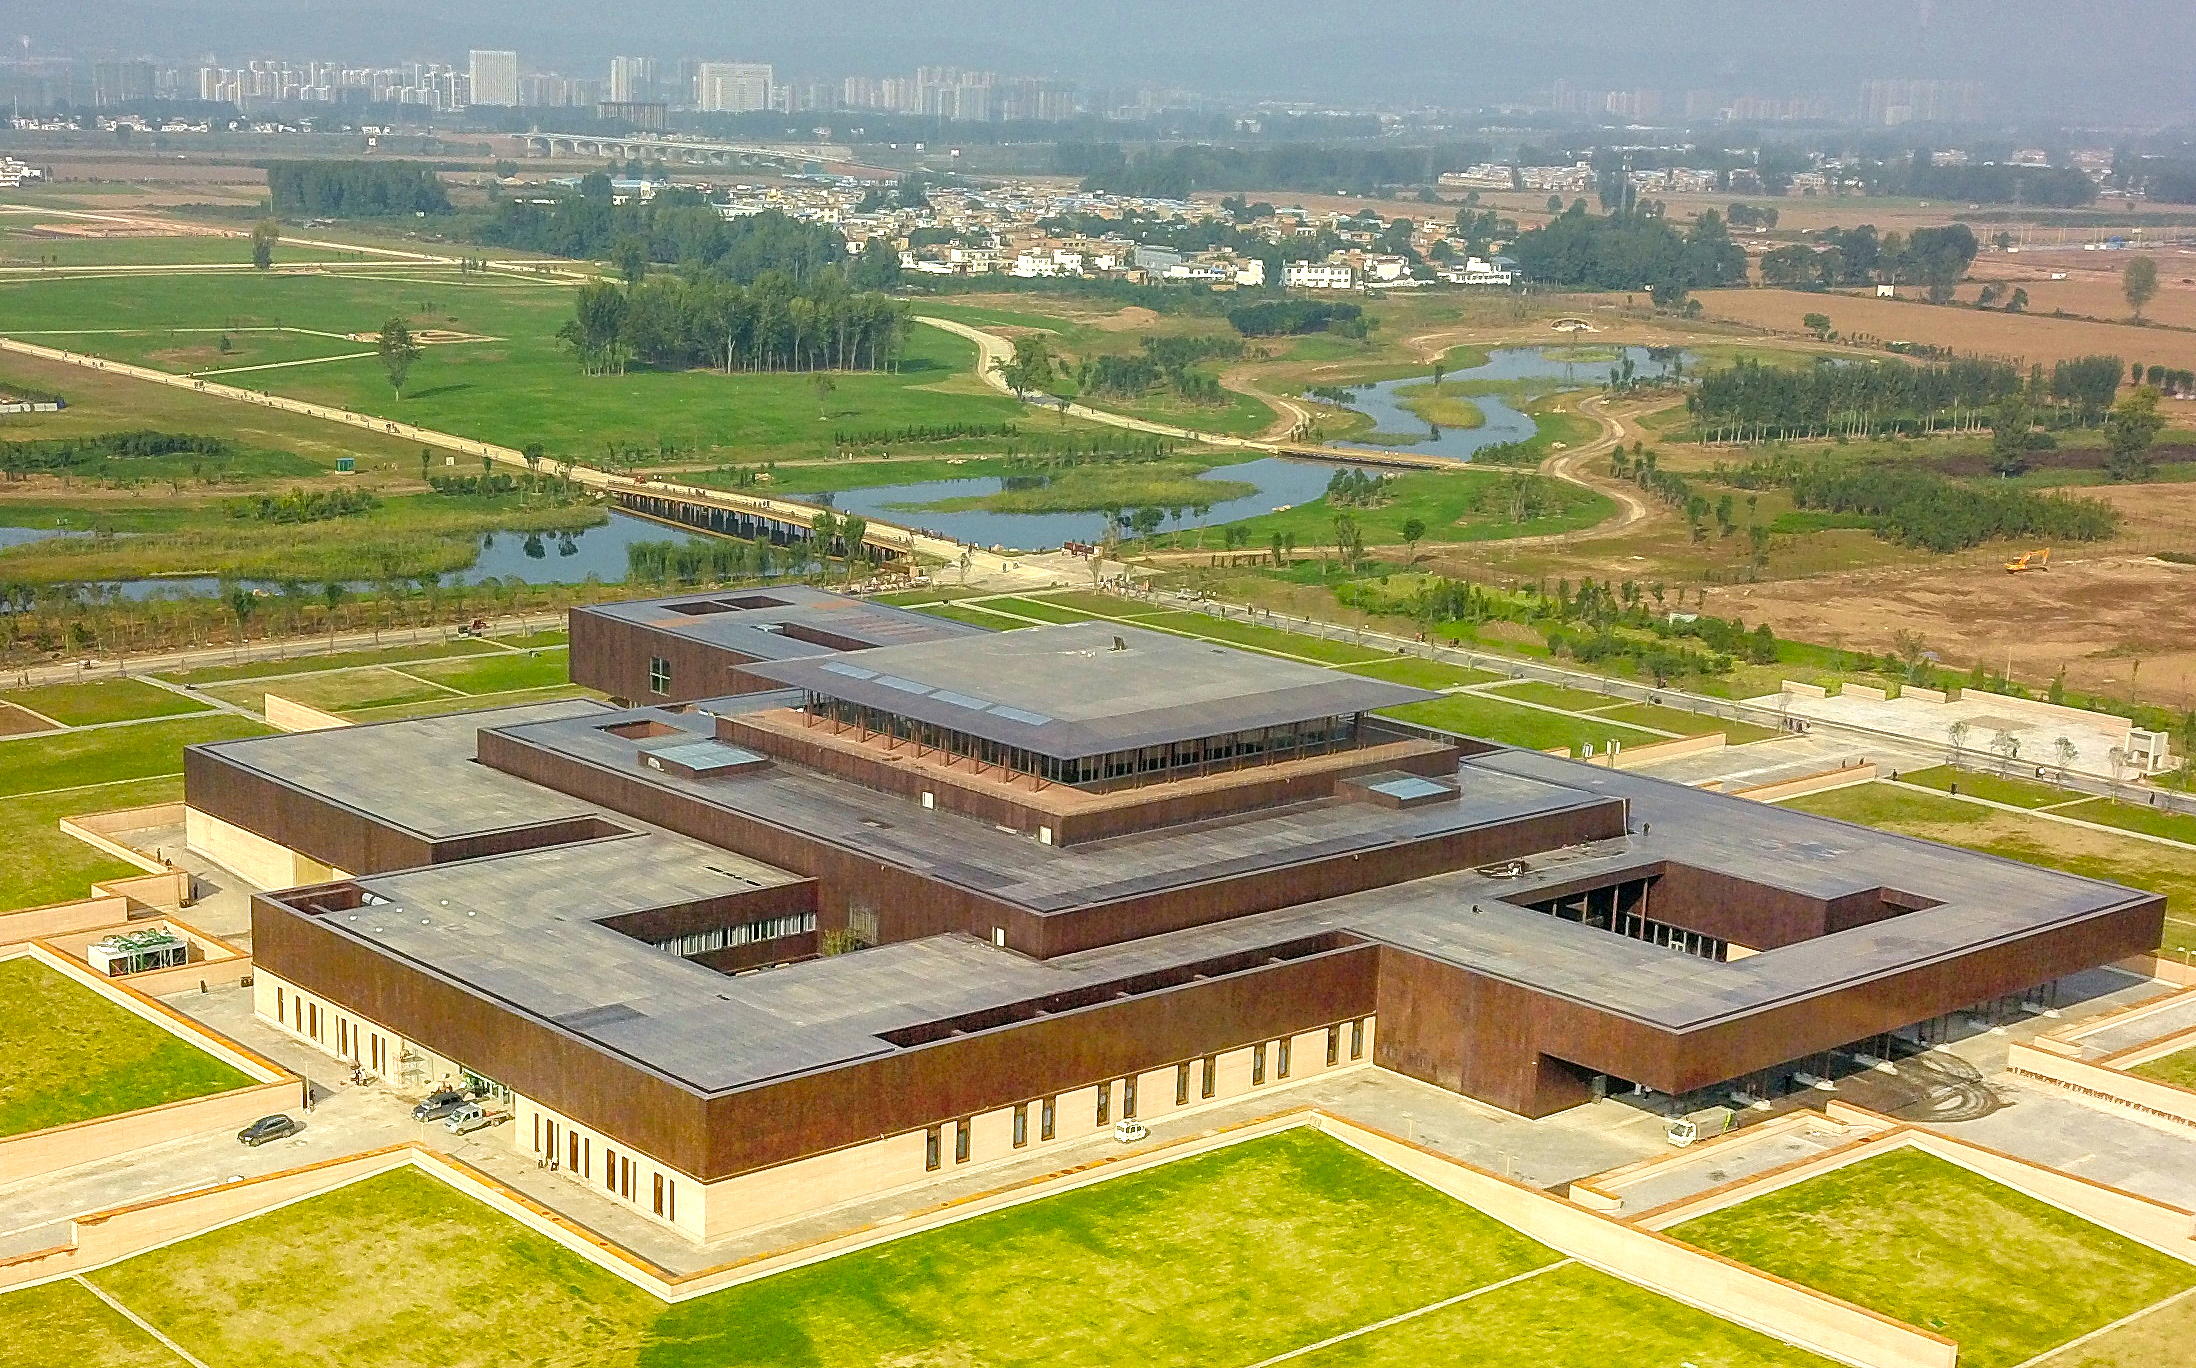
(1208, 1086)
(617, 1169)
(747, 933)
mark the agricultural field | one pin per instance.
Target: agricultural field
(1939, 1247)
(2031, 336)
(493, 368)
(73, 1056)
(1178, 1265)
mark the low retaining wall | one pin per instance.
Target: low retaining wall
(59, 1147)
(213, 961)
(2104, 1082)
(1793, 686)
(59, 919)
(166, 891)
(284, 714)
(1667, 750)
(1845, 776)
(1760, 1301)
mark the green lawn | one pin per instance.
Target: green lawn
(501, 673)
(72, 1055)
(1041, 609)
(450, 703)
(1572, 1315)
(2021, 793)
(1687, 723)
(1557, 696)
(2178, 1068)
(63, 1323)
(1494, 720)
(1420, 674)
(39, 864)
(338, 660)
(1462, 505)
(522, 385)
(970, 614)
(1936, 1246)
(335, 690)
(1447, 405)
(1225, 1258)
(1237, 632)
(71, 759)
(104, 700)
(2174, 826)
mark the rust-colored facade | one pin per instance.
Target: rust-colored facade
(1452, 901)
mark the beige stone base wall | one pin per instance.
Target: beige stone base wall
(2106, 1083)
(260, 861)
(343, 1034)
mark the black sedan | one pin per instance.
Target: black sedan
(267, 1128)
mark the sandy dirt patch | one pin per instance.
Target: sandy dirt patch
(2024, 338)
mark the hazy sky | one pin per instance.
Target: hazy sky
(1458, 51)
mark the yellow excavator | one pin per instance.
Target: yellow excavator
(2033, 560)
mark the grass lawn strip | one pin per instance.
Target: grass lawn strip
(40, 764)
(503, 673)
(972, 615)
(64, 1323)
(1184, 1265)
(1570, 1316)
(1040, 610)
(2155, 1337)
(340, 660)
(41, 864)
(335, 690)
(2178, 1068)
(1556, 696)
(105, 700)
(442, 703)
(2019, 793)
(1420, 674)
(1517, 724)
(1930, 1243)
(73, 1055)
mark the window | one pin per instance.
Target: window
(1258, 1063)
(671, 1208)
(1181, 1085)
(609, 1168)
(1281, 1058)
(280, 1006)
(587, 1156)
(1105, 1103)
(1334, 1046)
(625, 1178)
(1044, 1119)
(960, 1141)
(572, 1151)
(537, 1132)
(1212, 1075)
(659, 1194)
(1128, 1097)
(1021, 1124)
(931, 1147)
(659, 675)
(1357, 1038)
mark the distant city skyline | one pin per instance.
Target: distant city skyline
(1388, 53)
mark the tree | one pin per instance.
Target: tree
(852, 528)
(1030, 369)
(2139, 282)
(2130, 428)
(629, 255)
(1439, 369)
(398, 352)
(1413, 530)
(1957, 733)
(823, 384)
(533, 453)
(826, 528)
(1818, 324)
(331, 595)
(2063, 751)
(2009, 437)
(2008, 745)
(2018, 303)
(265, 234)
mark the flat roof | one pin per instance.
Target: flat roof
(1087, 688)
(766, 624)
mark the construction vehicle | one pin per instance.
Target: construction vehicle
(2033, 560)
(1699, 1125)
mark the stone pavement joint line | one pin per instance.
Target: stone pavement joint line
(141, 1323)
(1425, 1310)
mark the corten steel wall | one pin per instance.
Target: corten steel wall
(650, 1113)
(910, 905)
(308, 825)
(737, 1132)
(801, 945)
(965, 1074)
(612, 656)
(1117, 818)
(1531, 1053)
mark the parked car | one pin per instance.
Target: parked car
(267, 1128)
(439, 1103)
(466, 1119)
(1129, 1132)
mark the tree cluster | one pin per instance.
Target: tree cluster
(1936, 258)
(78, 455)
(1753, 402)
(773, 324)
(1630, 251)
(354, 189)
(1176, 173)
(1923, 509)
(2051, 187)
(1289, 317)
(302, 506)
